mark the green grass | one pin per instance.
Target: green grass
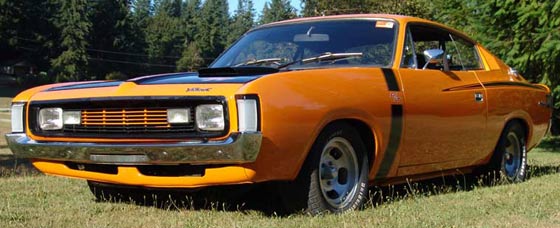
(4, 127)
(35, 200)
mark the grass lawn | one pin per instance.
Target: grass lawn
(35, 200)
(4, 127)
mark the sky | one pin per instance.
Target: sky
(259, 4)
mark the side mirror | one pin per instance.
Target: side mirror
(435, 56)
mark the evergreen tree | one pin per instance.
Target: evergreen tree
(277, 10)
(213, 29)
(310, 8)
(27, 32)
(163, 37)
(171, 7)
(334, 7)
(112, 32)
(11, 15)
(73, 22)
(415, 8)
(243, 20)
(143, 11)
(419, 8)
(191, 59)
(190, 13)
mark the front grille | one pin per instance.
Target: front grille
(127, 118)
(128, 121)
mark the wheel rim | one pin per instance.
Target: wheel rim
(512, 155)
(338, 172)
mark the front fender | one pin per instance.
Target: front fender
(297, 105)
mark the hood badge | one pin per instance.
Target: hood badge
(198, 89)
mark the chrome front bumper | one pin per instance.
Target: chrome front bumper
(237, 148)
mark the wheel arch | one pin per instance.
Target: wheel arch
(523, 123)
(365, 131)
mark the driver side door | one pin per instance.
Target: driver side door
(445, 111)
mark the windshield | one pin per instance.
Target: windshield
(315, 44)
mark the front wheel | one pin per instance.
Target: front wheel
(334, 177)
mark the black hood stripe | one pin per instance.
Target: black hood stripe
(86, 85)
(191, 78)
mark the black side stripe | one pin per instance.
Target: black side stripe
(394, 141)
(506, 83)
(396, 128)
(392, 84)
(491, 84)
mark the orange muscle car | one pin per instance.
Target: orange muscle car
(326, 106)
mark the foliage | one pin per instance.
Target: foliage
(118, 76)
(334, 7)
(190, 12)
(190, 58)
(242, 21)
(277, 10)
(418, 8)
(113, 31)
(162, 37)
(71, 64)
(213, 18)
(525, 34)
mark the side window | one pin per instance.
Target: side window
(409, 57)
(460, 53)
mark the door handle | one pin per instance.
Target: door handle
(478, 97)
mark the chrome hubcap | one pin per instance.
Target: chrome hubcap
(338, 172)
(512, 155)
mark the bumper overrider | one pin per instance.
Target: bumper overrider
(236, 149)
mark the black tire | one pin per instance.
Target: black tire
(509, 161)
(334, 177)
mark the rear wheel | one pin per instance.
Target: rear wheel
(510, 158)
(335, 175)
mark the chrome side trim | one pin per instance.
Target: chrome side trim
(237, 148)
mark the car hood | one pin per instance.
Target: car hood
(177, 84)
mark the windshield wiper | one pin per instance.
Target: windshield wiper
(327, 56)
(260, 61)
